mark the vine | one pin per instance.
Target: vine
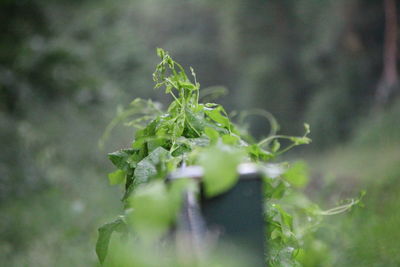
(193, 133)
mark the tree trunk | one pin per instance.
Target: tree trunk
(389, 81)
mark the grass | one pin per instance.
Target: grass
(368, 236)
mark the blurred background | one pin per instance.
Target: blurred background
(65, 67)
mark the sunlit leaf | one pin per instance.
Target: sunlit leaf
(117, 177)
(297, 174)
(220, 168)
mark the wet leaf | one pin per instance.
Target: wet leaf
(104, 236)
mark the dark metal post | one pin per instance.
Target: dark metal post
(235, 218)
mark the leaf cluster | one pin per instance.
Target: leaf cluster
(193, 133)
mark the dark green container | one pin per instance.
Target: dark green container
(235, 218)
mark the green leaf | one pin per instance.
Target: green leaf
(300, 140)
(297, 174)
(286, 218)
(198, 142)
(181, 149)
(117, 177)
(155, 143)
(155, 207)
(220, 168)
(120, 158)
(258, 154)
(212, 134)
(104, 236)
(304, 140)
(196, 121)
(176, 190)
(178, 125)
(147, 168)
(152, 212)
(279, 191)
(188, 85)
(160, 52)
(230, 139)
(215, 114)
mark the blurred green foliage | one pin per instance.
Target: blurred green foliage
(369, 236)
(65, 65)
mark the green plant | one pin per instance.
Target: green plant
(192, 133)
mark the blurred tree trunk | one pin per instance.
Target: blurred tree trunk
(389, 80)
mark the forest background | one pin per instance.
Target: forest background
(66, 65)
